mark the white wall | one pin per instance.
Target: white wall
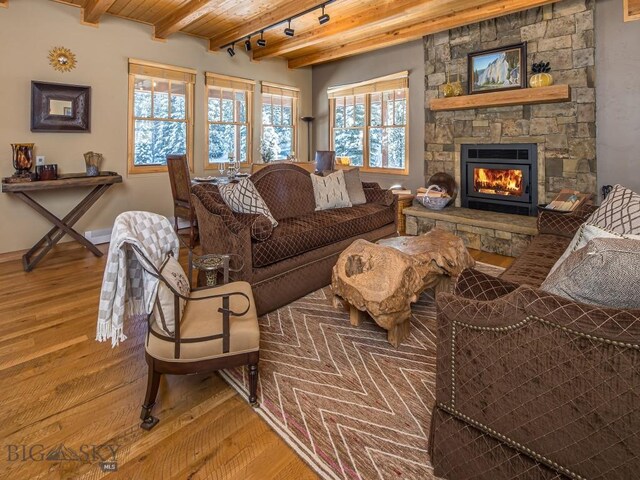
(28, 30)
(618, 96)
(409, 56)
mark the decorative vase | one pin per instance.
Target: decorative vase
(541, 80)
(93, 160)
(22, 158)
(452, 89)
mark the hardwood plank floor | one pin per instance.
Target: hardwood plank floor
(63, 392)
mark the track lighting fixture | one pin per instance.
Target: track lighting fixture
(324, 18)
(289, 32)
(262, 42)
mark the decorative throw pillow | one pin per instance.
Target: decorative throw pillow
(605, 272)
(243, 197)
(354, 186)
(619, 212)
(331, 191)
(261, 228)
(618, 216)
(164, 310)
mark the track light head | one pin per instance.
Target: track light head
(247, 44)
(324, 18)
(262, 42)
(231, 50)
(289, 32)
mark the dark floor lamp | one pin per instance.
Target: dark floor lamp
(308, 121)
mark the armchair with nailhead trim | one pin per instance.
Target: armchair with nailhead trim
(530, 385)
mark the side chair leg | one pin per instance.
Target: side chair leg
(253, 384)
(153, 383)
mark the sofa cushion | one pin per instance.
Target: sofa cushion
(243, 197)
(619, 212)
(584, 235)
(330, 191)
(164, 316)
(532, 267)
(354, 186)
(307, 232)
(605, 272)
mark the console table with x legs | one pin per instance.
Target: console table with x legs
(64, 226)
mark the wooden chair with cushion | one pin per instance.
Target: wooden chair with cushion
(213, 328)
(180, 180)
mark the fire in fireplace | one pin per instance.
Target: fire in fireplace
(496, 181)
(499, 178)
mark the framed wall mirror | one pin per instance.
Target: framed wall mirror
(60, 108)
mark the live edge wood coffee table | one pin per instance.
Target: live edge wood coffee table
(385, 278)
(61, 227)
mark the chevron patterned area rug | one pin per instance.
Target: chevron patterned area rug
(347, 401)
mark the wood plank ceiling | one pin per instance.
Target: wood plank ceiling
(356, 26)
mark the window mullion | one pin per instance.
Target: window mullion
(365, 133)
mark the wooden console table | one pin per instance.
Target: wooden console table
(63, 226)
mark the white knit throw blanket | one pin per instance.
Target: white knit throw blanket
(125, 284)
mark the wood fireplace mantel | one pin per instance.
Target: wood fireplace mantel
(523, 96)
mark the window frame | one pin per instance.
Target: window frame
(367, 89)
(131, 118)
(249, 119)
(271, 90)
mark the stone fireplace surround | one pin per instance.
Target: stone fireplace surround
(565, 133)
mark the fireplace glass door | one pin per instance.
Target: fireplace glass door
(498, 181)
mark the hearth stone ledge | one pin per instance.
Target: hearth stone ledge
(493, 232)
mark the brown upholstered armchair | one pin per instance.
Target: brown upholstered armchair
(530, 385)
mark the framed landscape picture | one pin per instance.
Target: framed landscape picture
(498, 69)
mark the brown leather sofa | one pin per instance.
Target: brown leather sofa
(530, 385)
(298, 256)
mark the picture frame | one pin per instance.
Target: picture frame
(57, 107)
(497, 69)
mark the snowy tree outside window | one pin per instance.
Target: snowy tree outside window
(228, 123)
(371, 129)
(279, 123)
(160, 120)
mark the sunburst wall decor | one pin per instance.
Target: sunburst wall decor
(62, 59)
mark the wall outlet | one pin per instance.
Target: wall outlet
(40, 159)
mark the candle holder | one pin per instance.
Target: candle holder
(22, 159)
(92, 161)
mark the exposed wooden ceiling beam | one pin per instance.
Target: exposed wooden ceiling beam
(631, 10)
(403, 12)
(183, 16)
(418, 30)
(276, 15)
(94, 9)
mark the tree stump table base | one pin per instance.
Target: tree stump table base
(384, 279)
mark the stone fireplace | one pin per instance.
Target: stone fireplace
(499, 178)
(564, 134)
